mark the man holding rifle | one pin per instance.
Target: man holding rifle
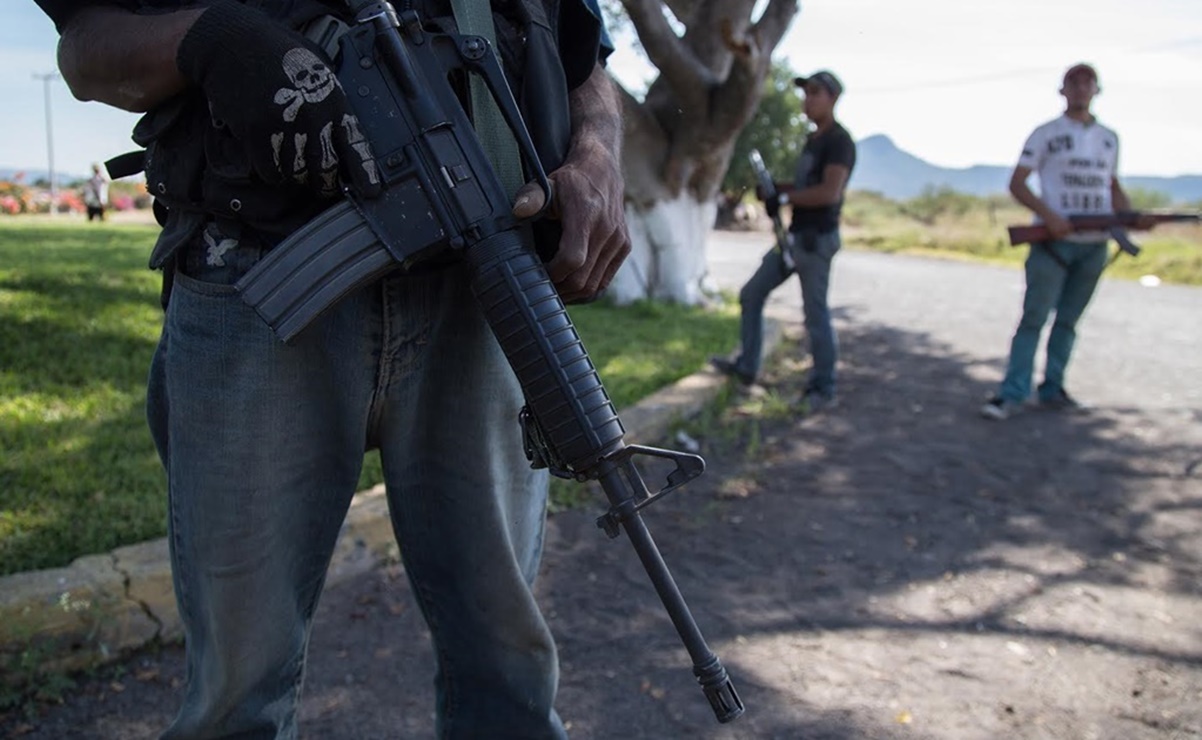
(816, 197)
(250, 136)
(1077, 160)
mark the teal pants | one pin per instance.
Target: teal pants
(1061, 276)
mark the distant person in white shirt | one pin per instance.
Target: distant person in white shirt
(1077, 161)
(96, 193)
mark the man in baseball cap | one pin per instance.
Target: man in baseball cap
(1076, 158)
(815, 196)
(824, 78)
(1081, 69)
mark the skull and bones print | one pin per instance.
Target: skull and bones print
(312, 82)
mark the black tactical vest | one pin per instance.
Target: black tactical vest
(198, 172)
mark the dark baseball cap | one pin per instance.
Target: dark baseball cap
(824, 78)
(1081, 69)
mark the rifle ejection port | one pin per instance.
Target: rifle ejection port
(455, 174)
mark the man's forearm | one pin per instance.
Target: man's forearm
(814, 196)
(1118, 197)
(123, 59)
(826, 192)
(1030, 200)
(595, 114)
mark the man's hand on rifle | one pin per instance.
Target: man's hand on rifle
(772, 206)
(1058, 226)
(588, 202)
(589, 196)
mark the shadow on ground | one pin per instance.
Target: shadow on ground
(897, 567)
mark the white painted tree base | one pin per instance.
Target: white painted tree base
(668, 253)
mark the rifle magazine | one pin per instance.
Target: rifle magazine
(313, 269)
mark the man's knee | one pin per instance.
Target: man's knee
(750, 296)
(1034, 318)
(816, 314)
(1041, 297)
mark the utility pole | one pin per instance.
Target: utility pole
(47, 78)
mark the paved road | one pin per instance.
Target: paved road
(1136, 346)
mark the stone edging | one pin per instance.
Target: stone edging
(102, 606)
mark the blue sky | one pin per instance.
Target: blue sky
(955, 82)
(963, 82)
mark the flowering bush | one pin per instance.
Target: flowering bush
(16, 198)
(13, 197)
(70, 202)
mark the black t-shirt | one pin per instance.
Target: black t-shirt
(833, 146)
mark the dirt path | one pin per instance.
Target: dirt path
(896, 568)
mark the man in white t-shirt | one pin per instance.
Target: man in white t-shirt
(96, 193)
(1076, 159)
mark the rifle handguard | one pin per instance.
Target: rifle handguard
(768, 186)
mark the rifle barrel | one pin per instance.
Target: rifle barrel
(1092, 222)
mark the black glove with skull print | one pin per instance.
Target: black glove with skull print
(279, 97)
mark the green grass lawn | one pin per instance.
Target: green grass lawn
(79, 319)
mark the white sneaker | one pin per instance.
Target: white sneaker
(999, 409)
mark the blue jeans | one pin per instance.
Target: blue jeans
(263, 444)
(812, 254)
(1060, 276)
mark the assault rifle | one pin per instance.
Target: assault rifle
(441, 196)
(768, 187)
(1116, 225)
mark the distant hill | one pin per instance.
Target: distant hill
(29, 177)
(887, 169)
(884, 167)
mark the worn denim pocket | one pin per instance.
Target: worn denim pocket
(806, 245)
(828, 244)
(216, 259)
(207, 314)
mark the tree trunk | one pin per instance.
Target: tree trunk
(679, 138)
